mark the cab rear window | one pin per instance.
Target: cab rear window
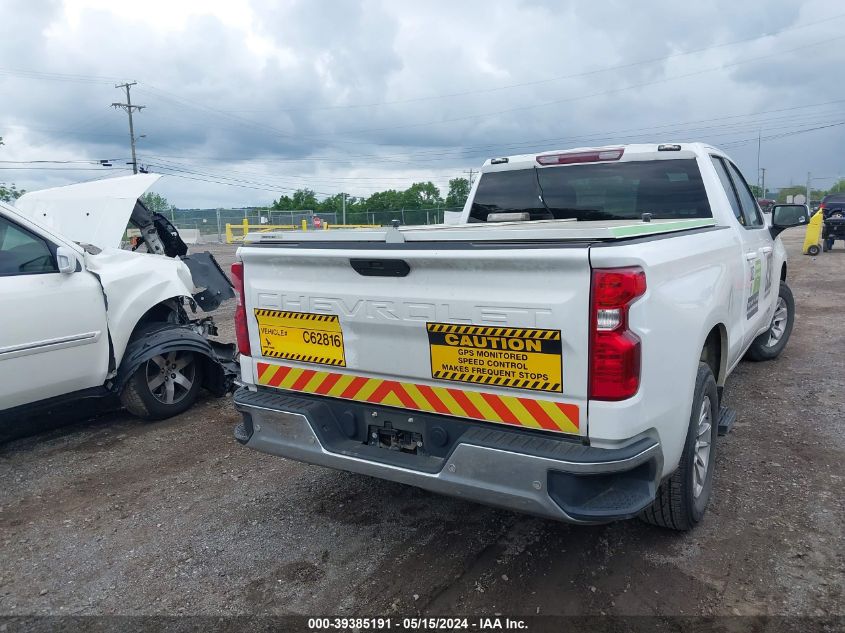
(667, 189)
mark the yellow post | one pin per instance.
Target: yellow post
(325, 225)
(813, 235)
(229, 237)
(304, 225)
(246, 226)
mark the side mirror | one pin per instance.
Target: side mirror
(66, 259)
(785, 216)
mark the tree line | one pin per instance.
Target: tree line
(815, 194)
(413, 202)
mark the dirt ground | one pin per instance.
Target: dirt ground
(110, 515)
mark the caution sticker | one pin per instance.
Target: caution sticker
(302, 336)
(525, 358)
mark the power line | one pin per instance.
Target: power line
(84, 161)
(44, 168)
(259, 180)
(250, 184)
(333, 139)
(50, 76)
(532, 106)
(666, 129)
(783, 135)
(721, 126)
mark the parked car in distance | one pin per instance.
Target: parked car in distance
(82, 318)
(833, 205)
(561, 351)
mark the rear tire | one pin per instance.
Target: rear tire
(682, 499)
(813, 250)
(772, 342)
(164, 386)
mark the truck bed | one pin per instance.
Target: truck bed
(545, 230)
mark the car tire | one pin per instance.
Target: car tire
(682, 498)
(164, 386)
(772, 342)
(813, 250)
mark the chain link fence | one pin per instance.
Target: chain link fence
(209, 225)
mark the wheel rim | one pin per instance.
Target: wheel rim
(779, 321)
(171, 376)
(702, 446)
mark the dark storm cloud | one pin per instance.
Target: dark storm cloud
(329, 83)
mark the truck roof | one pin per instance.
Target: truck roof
(632, 152)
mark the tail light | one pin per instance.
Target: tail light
(241, 331)
(614, 349)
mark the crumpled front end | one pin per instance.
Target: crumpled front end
(134, 284)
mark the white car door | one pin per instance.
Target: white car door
(761, 291)
(53, 336)
(746, 256)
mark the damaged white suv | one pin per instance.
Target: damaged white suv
(80, 317)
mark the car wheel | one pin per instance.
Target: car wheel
(164, 386)
(813, 250)
(682, 499)
(771, 343)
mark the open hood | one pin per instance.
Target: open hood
(90, 212)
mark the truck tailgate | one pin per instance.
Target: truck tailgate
(492, 332)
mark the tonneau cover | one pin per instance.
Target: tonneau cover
(545, 230)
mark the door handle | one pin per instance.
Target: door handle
(750, 256)
(767, 249)
(381, 267)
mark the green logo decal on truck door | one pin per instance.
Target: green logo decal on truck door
(770, 256)
(754, 275)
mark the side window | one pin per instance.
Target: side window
(746, 200)
(727, 185)
(22, 253)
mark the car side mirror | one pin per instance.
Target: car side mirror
(66, 260)
(786, 216)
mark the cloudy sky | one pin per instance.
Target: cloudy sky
(249, 99)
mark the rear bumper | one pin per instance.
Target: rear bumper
(533, 473)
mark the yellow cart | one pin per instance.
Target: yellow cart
(813, 236)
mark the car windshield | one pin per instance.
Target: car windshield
(667, 189)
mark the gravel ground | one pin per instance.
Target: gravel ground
(109, 515)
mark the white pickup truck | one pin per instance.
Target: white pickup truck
(560, 351)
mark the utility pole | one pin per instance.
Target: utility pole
(759, 140)
(470, 172)
(763, 181)
(128, 107)
(808, 188)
